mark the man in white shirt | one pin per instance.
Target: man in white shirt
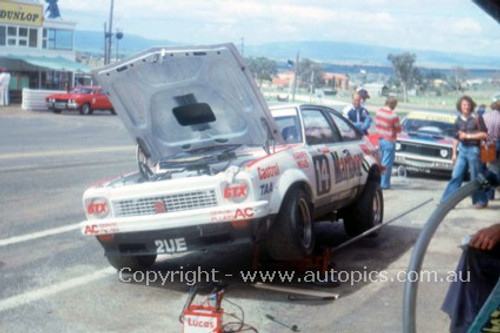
(363, 94)
(5, 84)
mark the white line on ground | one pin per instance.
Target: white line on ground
(35, 295)
(66, 152)
(39, 234)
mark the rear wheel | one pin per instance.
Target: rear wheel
(113, 112)
(85, 109)
(56, 110)
(134, 263)
(367, 212)
(292, 234)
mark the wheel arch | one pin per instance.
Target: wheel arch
(375, 172)
(289, 180)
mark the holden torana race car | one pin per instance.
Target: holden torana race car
(426, 142)
(82, 98)
(217, 166)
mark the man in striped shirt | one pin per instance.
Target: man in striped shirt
(387, 126)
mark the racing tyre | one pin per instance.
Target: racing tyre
(85, 109)
(56, 110)
(292, 234)
(367, 212)
(135, 263)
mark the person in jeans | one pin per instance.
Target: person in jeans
(387, 126)
(470, 130)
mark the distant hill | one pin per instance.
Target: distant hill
(338, 53)
(93, 42)
(368, 55)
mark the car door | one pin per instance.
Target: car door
(347, 154)
(101, 101)
(321, 140)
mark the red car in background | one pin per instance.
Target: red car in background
(83, 98)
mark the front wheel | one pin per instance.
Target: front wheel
(134, 263)
(292, 234)
(85, 109)
(367, 212)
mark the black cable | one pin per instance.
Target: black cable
(241, 321)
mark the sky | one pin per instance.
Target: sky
(458, 26)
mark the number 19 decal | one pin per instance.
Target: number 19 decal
(322, 170)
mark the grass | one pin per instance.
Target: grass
(445, 102)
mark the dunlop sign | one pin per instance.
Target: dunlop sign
(15, 13)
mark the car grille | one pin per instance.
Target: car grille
(421, 149)
(170, 203)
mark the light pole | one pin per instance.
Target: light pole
(296, 70)
(108, 36)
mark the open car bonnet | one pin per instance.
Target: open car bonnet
(184, 98)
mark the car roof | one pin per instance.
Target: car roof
(447, 117)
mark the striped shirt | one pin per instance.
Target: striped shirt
(492, 121)
(387, 124)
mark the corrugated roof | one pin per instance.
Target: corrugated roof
(57, 63)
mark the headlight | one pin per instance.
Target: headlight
(97, 208)
(443, 153)
(236, 191)
(398, 146)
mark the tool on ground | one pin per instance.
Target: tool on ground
(292, 327)
(377, 227)
(309, 298)
(290, 290)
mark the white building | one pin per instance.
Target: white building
(37, 51)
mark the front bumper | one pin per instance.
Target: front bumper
(174, 220)
(421, 163)
(61, 106)
(179, 240)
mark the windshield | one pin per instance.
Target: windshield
(412, 126)
(289, 128)
(82, 91)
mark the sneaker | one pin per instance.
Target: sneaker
(480, 206)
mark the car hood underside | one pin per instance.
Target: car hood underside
(185, 98)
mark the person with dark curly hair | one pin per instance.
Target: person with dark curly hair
(470, 130)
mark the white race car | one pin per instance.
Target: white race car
(217, 166)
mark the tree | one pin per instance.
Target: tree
(307, 69)
(459, 75)
(403, 66)
(262, 68)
